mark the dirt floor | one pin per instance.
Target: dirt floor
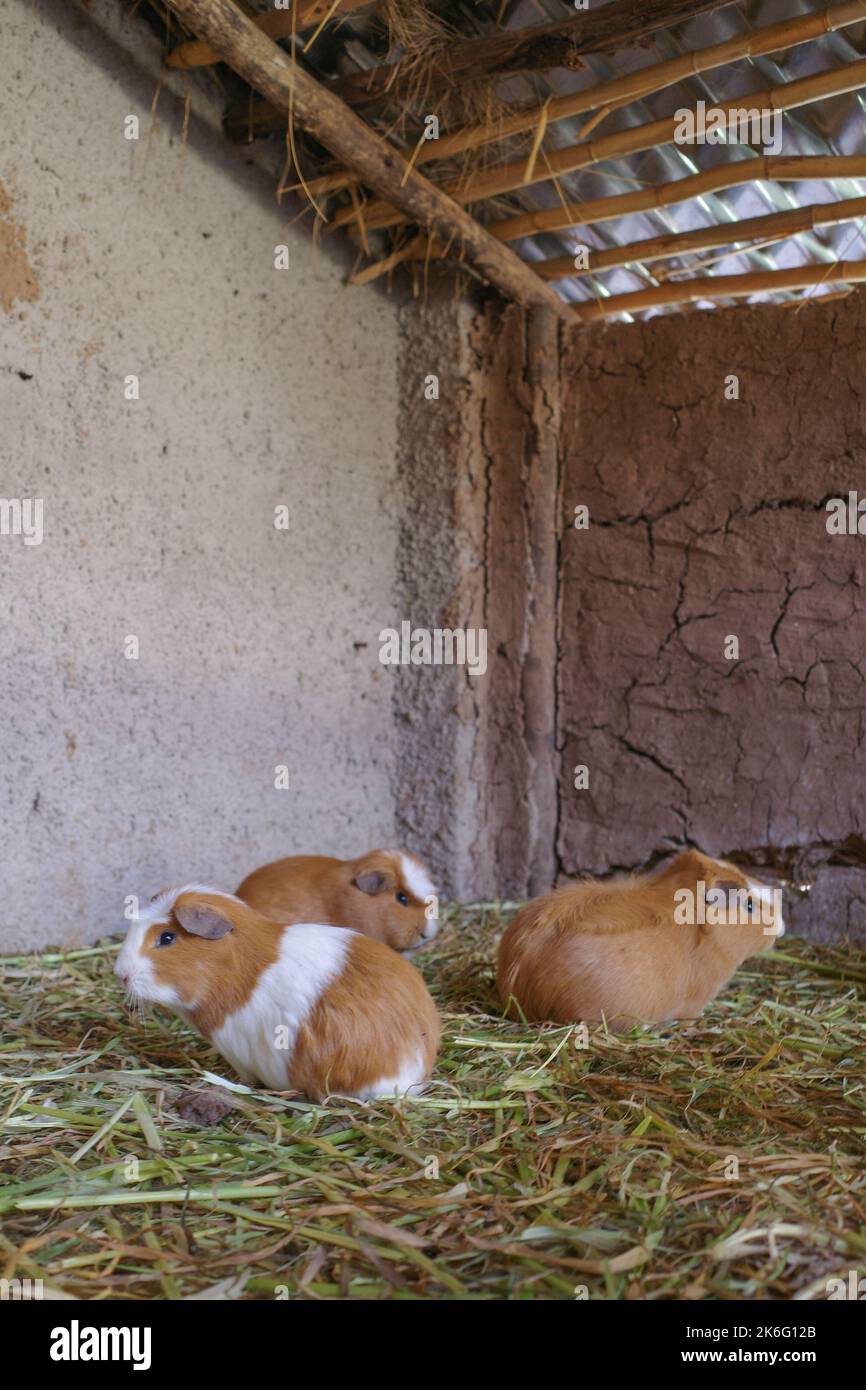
(719, 1160)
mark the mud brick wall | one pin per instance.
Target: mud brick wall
(476, 774)
(708, 522)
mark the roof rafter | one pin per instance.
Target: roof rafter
(775, 226)
(723, 287)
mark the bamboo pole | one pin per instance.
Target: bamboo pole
(723, 287)
(774, 227)
(783, 168)
(507, 177)
(773, 38)
(277, 24)
(276, 76)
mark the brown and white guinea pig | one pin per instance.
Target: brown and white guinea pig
(644, 949)
(386, 894)
(305, 1007)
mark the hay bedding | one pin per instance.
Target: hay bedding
(533, 1167)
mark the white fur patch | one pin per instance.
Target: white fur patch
(416, 878)
(409, 1080)
(259, 1038)
(766, 895)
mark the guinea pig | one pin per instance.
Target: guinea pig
(645, 949)
(386, 894)
(303, 1007)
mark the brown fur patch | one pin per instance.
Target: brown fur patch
(316, 888)
(366, 1025)
(213, 978)
(615, 950)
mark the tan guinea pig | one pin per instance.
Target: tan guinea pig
(306, 1008)
(638, 950)
(385, 894)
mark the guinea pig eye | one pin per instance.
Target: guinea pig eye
(165, 938)
(402, 899)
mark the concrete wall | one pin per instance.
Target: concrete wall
(258, 387)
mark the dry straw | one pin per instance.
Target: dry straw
(277, 24)
(559, 1168)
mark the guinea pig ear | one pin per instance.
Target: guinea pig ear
(375, 881)
(203, 919)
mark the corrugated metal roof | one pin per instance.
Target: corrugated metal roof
(835, 125)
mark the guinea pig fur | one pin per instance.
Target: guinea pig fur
(302, 1007)
(645, 949)
(386, 894)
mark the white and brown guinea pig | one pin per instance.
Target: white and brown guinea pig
(386, 894)
(306, 1007)
(644, 949)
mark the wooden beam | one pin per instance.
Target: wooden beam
(277, 24)
(278, 78)
(542, 519)
(723, 287)
(634, 86)
(506, 178)
(514, 464)
(542, 46)
(776, 226)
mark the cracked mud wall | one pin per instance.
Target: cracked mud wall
(708, 522)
